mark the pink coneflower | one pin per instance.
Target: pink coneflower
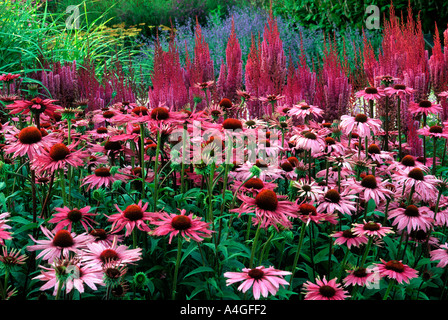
(66, 217)
(440, 254)
(266, 170)
(306, 190)
(73, 274)
(406, 164)
(269, 207)
(246, 96)
(349, 238)
(262, 280)
(59, 244)
(371, 187)
(332, 201)
(8, 77)
(361, 277)
(104, 237)
(395, 269)
(434, 131)
(253, 185)
(187, 226)
(4, 235)
(204, 85)
(400, 90)
(304, 110)
(36, 105)
(423, 186)
(309, 140)
(306, 212)
(361, 124)
(424, 107)
(12, 258)
(102, 177)
(106, 116)
(324, 290)
(133, 216)
(59, 156)
(370, 93)
(100, 253)
(271, 98)
(411, 218)
(371, 229)
(29, 141)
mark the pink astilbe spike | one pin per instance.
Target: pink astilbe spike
(438, 65)
(252, 78)
(231, 75)
(272, 60)
(201, 68)
(168, 83)
(334, 90)
(301, 81)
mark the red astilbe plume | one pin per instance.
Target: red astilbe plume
(438, 66)
(89, 86)
(61, 82)
(273, 60)
(168, 85)
(201, 68)
(370, 62)
(252, 78)
(333, 90)
(231, 73)
(301, 81)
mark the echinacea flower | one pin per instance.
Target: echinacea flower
(308, 191)
(370, 93)
(411, 218)
(400, 90)
(58, 244)
(269, 207)
(434, 132)
(361, 276)
(35, 105)
(332, 200)
(361, 124)
(66, 217)
(440, 255)
(187, 226)
(59, 156)
(395, 269)
(100, 253)
(310, 141)
(414, 181)
(324, 290)
(424, 107)
(4, 235)
(12, 258)
(304, 110)
(134, 216)
(72, 275)
(262, 280)
(371, 187)
(29, 141)
(102, 176)
(349, 238)
(371, 229)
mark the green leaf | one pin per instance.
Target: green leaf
(198, 270)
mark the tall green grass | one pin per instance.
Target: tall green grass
(31, 37)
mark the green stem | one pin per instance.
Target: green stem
(434, 158)
(156, 173)
(366, 252)
(142, 157)
(254, 246)
(176, 268)
(296, 257)
(389, 287)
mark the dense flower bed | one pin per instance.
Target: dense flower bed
(276, 183)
